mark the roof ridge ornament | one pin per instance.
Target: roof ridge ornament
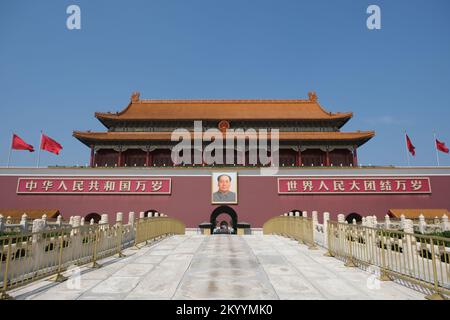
(312, 96)
(135, 96)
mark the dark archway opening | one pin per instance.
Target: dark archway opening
(224, 210)
(352, 216)
(93, 215)
(224, 224)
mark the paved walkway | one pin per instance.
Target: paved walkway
(220, 267)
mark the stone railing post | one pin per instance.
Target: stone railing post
(76, 223)
(408, 226)
(141, 215)
(341, 218)
(326, 218)
(297, 213)
(315, 222)
(374, 222)
(409, 250)
(59, 220)
(372, 236)
(38, 226)
(315, 218)
(422, 224)
(444, 225)
(402, 222)
(387, 222)
(104, 221)
(305, 214)
(119, 225)
(119, 218)
(131, 218)
(369, 221)
(37, 246)
(44, 218)
(364, 221)
(24, 223)
(104, 218)
(2, 224)
(76, 235)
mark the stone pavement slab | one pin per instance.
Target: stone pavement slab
(217, 267)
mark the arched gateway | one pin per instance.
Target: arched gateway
(224, 210)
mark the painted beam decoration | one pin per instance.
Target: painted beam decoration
(94, 185)
(366, 185)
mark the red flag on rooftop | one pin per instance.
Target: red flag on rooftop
(50, 145)
(441, 146)
(410, 146)
(19, 144)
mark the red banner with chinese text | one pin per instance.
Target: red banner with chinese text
(53, 185)
(358, 185)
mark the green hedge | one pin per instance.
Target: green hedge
(443, 234)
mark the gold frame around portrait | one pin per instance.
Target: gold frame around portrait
(234, 175)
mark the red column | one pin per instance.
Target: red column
(119, 162)
(150, 159)
(92, 157)
(327, 160)
(355, 157)
(299, 158)
(147, 159)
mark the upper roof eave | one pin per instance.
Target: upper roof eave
(102, 116)
(86, 136)
(249, 109)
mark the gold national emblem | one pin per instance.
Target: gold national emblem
(224, 125)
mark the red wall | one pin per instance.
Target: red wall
(191, 200)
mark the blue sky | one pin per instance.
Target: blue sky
(396, 78)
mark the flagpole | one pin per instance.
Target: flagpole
(435, 147)
(9, 154)
(39, 152)
(407, 151)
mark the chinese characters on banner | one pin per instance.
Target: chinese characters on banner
(394, 185)
(94, 186)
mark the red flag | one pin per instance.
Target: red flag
(19, 144)
(441, 146)
(410, 146)
(50, 145)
